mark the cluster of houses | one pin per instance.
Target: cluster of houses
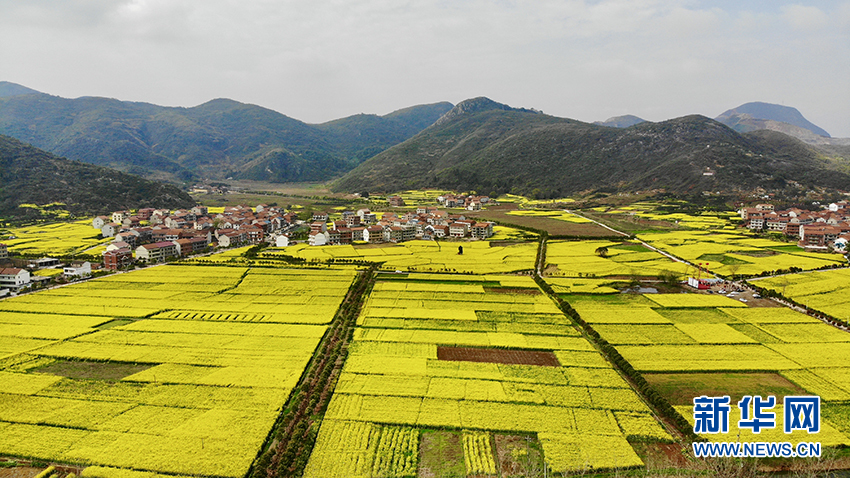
(16, 278)
(826, 229)
(468, 202)
(428, 223)
(159, 234)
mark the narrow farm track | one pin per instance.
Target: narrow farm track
(291, 440)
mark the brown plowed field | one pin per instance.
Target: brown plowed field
(516, 357)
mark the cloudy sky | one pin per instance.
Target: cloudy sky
(316, 60)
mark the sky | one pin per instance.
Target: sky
(317, 60)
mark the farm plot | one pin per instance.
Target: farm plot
(200, 293)
(190, 397)
(689, 338)
(479, 257)
(591, 259)
(730, 253)
(825, 291)
(61, 238)
(481, 354)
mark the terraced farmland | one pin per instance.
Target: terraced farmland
(173, 369)
(406, 368)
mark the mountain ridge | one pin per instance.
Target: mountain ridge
(29, 175)
(496, 150)
(217, 139)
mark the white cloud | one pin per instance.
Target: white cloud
(322, 59)
(804, 17)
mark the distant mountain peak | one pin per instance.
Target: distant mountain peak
(8, 88)
(477, 105)
(621, 121)
(752, 116)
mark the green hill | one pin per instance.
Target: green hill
(29, 175)
(493, 149)
(14, 89)
(218, 139)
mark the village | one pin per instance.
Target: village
(149, 236)
(824, 230)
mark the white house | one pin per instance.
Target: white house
(281, 241)
(78, 270)
(14, 278)
(318, 238)
(119, 216)
(99, 222)
(109, 230)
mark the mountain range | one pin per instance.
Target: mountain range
(493, 149)
(478, 144)
(29, 175)
(218, 139)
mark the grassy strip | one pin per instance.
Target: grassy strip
(291, 441)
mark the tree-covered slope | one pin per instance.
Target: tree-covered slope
(29, 175)
(497, 149)
(218, 139)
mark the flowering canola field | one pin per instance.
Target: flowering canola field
(729, 253)
(825, 291)
(479, 257)
(215, 353)
(696, 333)
(59, 238)
(580, 259)
(582, 411)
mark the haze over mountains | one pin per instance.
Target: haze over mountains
(479, 144)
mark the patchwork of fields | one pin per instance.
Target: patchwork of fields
(174, 369)
(479, 257)
(700, 341)
(457, 352)
(730, 253)
(583, 259)
(825, 291)
(459, 365)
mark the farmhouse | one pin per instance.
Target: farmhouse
(14, 278)
(156, 252)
